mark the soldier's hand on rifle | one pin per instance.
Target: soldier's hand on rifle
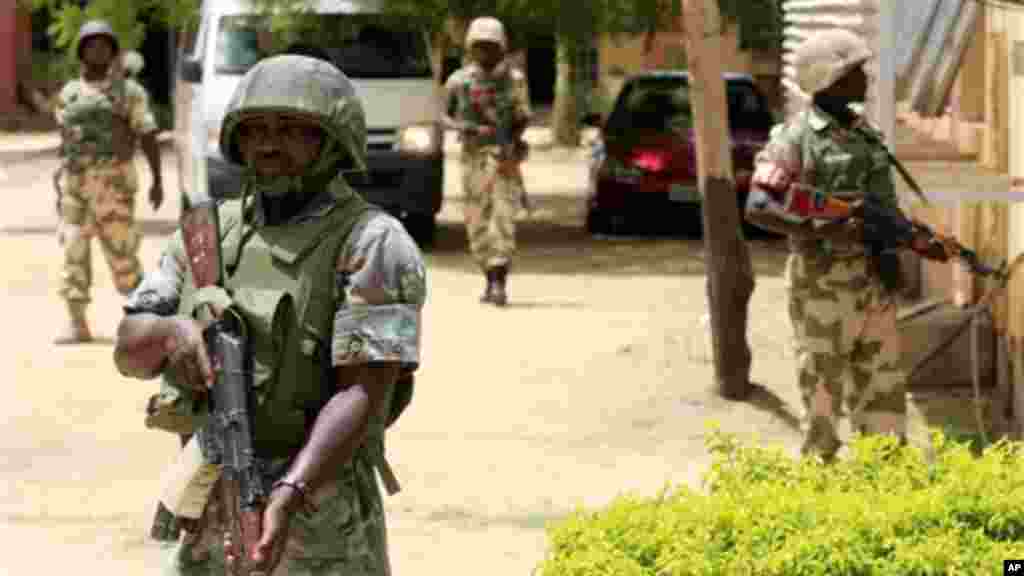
(284, 501)
(186, 353)
(849, 230)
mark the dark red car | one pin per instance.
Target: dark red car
(643, 171)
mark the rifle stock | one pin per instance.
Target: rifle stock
(242, 490)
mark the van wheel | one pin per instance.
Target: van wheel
(422, 228)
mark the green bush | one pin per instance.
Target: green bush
(886, 509)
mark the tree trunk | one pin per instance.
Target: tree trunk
(730, 278)
(564, 121)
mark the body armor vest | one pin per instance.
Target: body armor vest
(484, 99)
(282, 279)
(88, 132)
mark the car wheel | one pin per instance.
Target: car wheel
(422, 228)
(600, 224)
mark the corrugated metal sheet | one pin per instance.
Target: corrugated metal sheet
(941, 44)
(930, 38)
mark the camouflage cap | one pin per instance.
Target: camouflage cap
(827, 56)
(299, 86)
(96, 28)
(486, 29)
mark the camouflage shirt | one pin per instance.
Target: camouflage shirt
(87, 113)
(480, 97)
(385, 293)
(813, 149)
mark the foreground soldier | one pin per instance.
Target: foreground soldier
(844, 318)
(488, 104)
(101, 115)
(357, 284)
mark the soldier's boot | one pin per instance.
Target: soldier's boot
(500, 296)
(76, 331)
(488, 295)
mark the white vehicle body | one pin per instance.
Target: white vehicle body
(395, 84)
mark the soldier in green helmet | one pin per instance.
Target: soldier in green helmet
(333, 289)
(103, 116)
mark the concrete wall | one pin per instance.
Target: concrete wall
(620, 56)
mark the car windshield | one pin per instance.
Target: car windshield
(663, 105)
(362, 45)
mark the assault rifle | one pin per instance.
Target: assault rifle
(512, 148)
(886, 228)
(230, 438)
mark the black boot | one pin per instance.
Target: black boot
(488, 294)
(500, 296)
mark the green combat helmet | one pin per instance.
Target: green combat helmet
(300, 86)
(94, 28)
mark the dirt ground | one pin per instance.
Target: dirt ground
(589, 384)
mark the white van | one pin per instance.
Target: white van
(386, 58)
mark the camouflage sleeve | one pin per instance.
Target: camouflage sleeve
(61, 103)
(386, 287)
(160, 290)
(451, 106)
(521, 92)
(140, 115)
(781, 161)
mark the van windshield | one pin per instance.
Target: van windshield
(362, 45)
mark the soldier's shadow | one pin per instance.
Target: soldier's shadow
(765, 399)
(104, 341)
(147, 227)
(536, 305)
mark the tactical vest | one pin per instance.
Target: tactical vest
(481, 99)
(87, 133)
(283, 280)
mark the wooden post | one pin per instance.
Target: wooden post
(730, 278)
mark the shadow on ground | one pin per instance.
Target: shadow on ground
(553, 241)
(765, 399)
(148, 228)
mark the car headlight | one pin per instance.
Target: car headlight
(419, 139)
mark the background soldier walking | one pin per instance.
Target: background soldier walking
(488, 103)
(102, 115)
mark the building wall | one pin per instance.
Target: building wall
(620, 56)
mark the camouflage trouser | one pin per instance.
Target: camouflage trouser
(345, 537)
(99, 201)
(847, 351)
(492, 200)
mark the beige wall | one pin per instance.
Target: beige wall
(622, 56)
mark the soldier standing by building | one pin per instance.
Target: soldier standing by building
(102, 116)
(487, 102)
(354, 282)
(844, 318)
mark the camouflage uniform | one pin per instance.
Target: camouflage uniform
(377, 319)
(847, 343)
(98, 180)
(381, 322)
(492, 198)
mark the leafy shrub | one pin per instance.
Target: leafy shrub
(886, 509)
